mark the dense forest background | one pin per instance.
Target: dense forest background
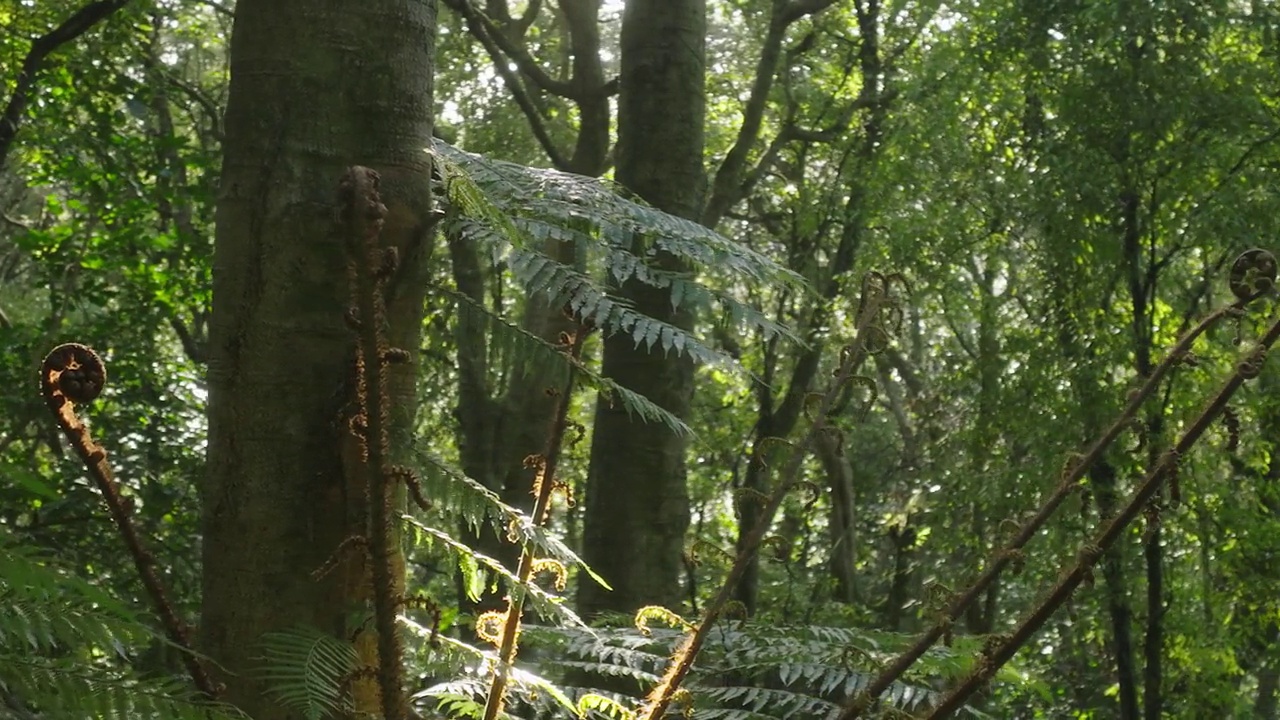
(1039, 196)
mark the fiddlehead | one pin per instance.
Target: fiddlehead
(73, 374)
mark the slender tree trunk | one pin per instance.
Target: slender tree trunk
(316, 85)
(844, 552)
(519, 414)
(1103, 478)
(637, 507)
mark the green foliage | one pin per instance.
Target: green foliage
(513, 211)
(996, 176)
(747, 672)
(64, 644)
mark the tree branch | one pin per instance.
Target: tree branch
(218, 8)
(73, 27)
(204, 101)
(518, 54)
(480, 29)
(725, 188)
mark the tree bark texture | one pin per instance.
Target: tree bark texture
(637, 507)
(316, 86)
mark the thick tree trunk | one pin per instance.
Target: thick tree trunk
(637, 507)
(316, 85)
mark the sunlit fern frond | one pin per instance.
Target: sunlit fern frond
(545, 603)
(527, 353)
(308, 670)
(463, 696)
(514, 210)
(749, 672)
(604, 215)
(465, 498)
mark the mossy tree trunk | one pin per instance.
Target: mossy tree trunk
(637, 507)
(316, 85)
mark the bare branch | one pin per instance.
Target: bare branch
(797, 9)
(480, 29)
(525, 21)
(210, 107)
(219, 8)
(14, 221)
(513, 50)
(73, 27)
(725, 188)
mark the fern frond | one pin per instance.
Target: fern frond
(462, 695)
(62, 641)
(545, 603)
(515, 347)
(514, 210)
(478, 505)
(746, 671)
(70, 688)
(306, 669)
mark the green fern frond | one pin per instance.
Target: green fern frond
(611, 211)
(71, 688)
(513, 346)
(746, 671)
(544, 602)
(477, 505)
(307, 670)
(514, 210)
(462, 695)
(62, 643)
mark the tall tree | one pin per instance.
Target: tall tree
(637, 502)
(316, 85)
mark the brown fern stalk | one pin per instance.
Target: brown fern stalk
(993, 659)
(1069, 484)
(544, 486)
(1252, 276)
(73, 374)
(363, 215)
(876, 297)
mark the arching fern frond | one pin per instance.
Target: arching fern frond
(748, 672)
(518, 346)
(513, 210)
(464, 696)
(545, 603)
(477, 505)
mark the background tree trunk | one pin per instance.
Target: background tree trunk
(316, 85)
(637, 507)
